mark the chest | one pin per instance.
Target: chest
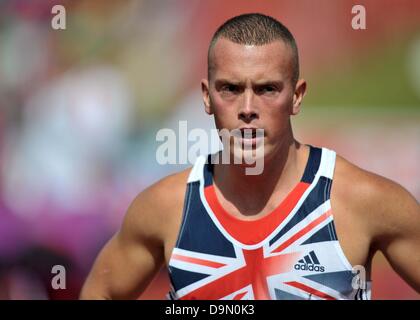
(350, 231)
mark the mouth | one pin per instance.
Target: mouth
(248, 133)
(250, 136)
(251, 132)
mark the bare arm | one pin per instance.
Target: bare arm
(397, 229)
(385, 217)
(130, 260)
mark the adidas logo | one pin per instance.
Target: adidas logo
(310, 262)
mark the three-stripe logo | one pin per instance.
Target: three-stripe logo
(310, 262)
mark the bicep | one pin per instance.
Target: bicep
(128, 262)
(403, 253)
(399, 239)
(121, 271)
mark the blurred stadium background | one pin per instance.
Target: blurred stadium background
(80, 108)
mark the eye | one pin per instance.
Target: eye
(230, 88)
(269, 89)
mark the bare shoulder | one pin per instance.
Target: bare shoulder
(362, 186)
(138, 243)
(153, 209)
(368, 189)
(384, 204)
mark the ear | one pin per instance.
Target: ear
(206, 95)
(300, 91)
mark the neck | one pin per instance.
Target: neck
(281, 172)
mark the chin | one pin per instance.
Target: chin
(248, 156)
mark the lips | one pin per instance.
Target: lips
(250, 132)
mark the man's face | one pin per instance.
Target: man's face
(252, 87)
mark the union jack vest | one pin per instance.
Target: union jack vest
(291, 253)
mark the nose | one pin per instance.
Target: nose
(248, 110)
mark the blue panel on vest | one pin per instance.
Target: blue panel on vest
(318, 195)
(199, 233)
(339, 281)
(323, 234)
(181, 278)
(283, 295)
(208, 172)
(312, 166)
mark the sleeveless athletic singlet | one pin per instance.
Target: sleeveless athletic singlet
(291, 253)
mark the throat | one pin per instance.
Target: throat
(256, 196)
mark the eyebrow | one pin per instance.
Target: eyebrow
(278, 83)
(219, 82)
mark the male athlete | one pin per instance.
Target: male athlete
(307, 227)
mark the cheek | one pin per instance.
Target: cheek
(221, 114)
(280, 107)
(223, 110)
(276, 115)
(220, 103)
(273, 111)
(223, 120)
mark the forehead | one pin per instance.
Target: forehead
(240, 62)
